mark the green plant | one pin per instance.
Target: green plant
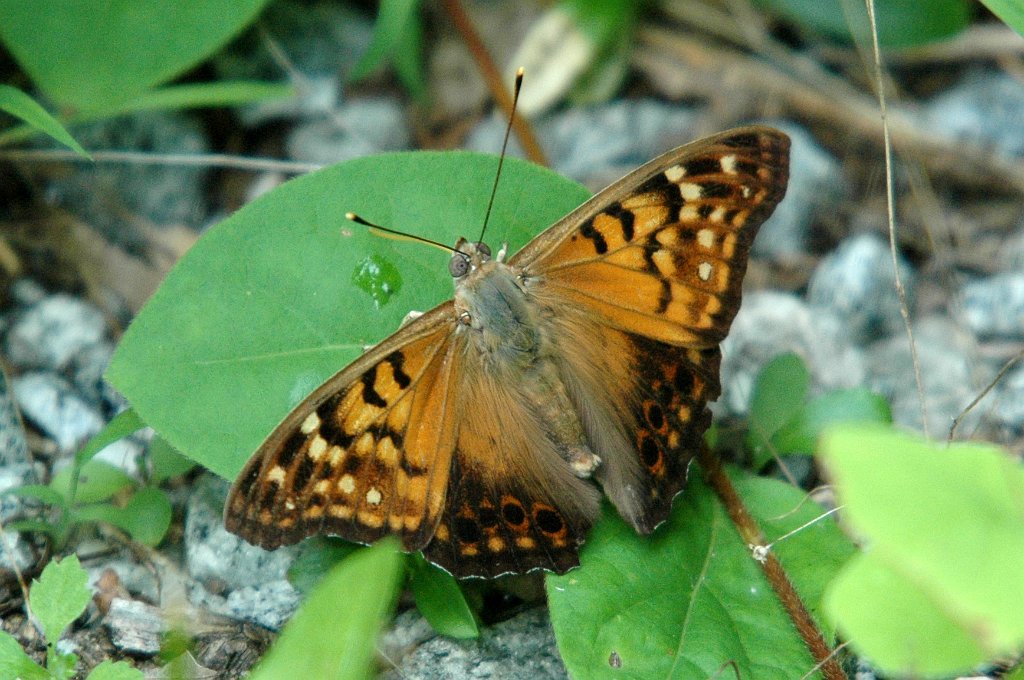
(94, 491)
(123, 54)
(55, 600)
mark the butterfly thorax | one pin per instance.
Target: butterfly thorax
(512, 334)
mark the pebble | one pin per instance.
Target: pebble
(13, 446)
(855, 282)
(52, 332)
(771, 323)
(135, 627)
(53, 405)
(816, 187)
(521, 648)
(1007, 405)
(159, 193)
(986, 108)
(993, 307)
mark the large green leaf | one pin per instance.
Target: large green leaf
(91, 54)
(1010, 11)
(333, 636)
(939, 589)
(20, 105)
(274, 300)
(689, 598)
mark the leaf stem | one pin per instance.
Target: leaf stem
(754, 537)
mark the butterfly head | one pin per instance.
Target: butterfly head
(468, 257)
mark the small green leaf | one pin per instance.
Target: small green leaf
(40, 492)
(395, 20)
(97, 481)
(439, 598)
(115, 670)
(59, 596)
(779, 392)
(20, 105)
(685, 600)
(316, 557)
(800, 434)
(146, 517)
(939, 591)
(120, 426)
(120, 48)
(334, 633)
(1010, 11)
(165, 462)
(15, 663)
(197, 95)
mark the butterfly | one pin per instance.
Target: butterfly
(485, 431)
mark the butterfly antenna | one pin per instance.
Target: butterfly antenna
(504, 144)
(394, 235)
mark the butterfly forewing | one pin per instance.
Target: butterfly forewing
(467, 456)
(367, 454)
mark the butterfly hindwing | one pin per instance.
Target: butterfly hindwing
(367, 454)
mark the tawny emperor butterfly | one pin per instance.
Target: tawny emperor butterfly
(484, 431)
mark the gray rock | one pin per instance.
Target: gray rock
(816, 187)
(994, 307)
(107, 195)
(522, 647)
(598, 144)
(771, 323)
(27, 292)
(855, 282)
(407, 631)
(136, 578)
(89, 365)
(268, 604)
(323, 41)
(985, 108)
(51, 333)
(14, 546)
(947, 377)
(214, 555)
(358, 128)
(57, 409)
(13, 446)
(135, 627)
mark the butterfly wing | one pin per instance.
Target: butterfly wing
(643, 282)
(365, 455)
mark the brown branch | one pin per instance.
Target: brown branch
(492, 76)
(753, 536)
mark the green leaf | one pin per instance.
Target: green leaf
(120, 426)
(334, 633)
(197, 95)
(93, 54)
(395, 19)
(1010, 11)
(97, 481)
(800, 434)
(940, 588)
(59, 596)
(254, 334)
(115, 670)
(439, 598)
(20, 105)
(901, 23)
(779, 392)
(15, 663)
(146, 517)
(316, 557)
(687, 599)
(40, 492)
(165, 462)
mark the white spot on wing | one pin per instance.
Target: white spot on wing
(276, 474)
(690, 191)
(347, 484)
(729, 164)
(704, 271)
(373, 496)
(705, 238)
(675, 173)
(311, 423)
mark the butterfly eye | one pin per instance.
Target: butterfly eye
(458, 265)
(482, 247)
(465, 319)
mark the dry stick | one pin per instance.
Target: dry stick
(988, 388)
(495, 83)
(890, 202)
(751, 533)
(819, 95)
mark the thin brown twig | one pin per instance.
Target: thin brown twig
(751, 534)
(981, 395)
(492, 76)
